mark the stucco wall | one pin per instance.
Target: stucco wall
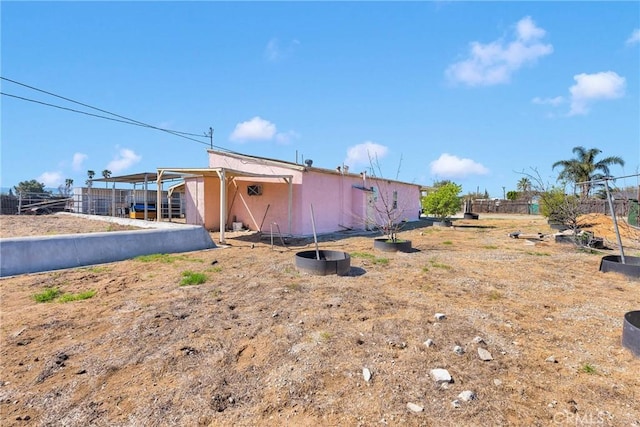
(194, 201)
(259, 211)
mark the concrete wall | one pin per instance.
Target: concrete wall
(43, 253)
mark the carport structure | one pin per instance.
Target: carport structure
(227, 176)
(144, 178)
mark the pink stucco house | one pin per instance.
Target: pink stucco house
(262, 193)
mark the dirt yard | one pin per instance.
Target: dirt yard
(261, 344)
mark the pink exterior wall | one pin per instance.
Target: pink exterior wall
(259, 212)
(336, 203)
(194, 201)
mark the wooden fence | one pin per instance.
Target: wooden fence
(622, 207)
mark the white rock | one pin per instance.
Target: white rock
(478, 340)
(440, 316)
(484, 354)
(440, 375)
(550, 359)
(458, 350)
(455, 403)
(414, 408)
(429, 343)
(467, 396)
(366, 374)
(497, 382)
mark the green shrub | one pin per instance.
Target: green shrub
(190, 278)
(77, 297)
(443, 202)
(48, 295)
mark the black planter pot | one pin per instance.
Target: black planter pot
(330, 262)
(386, 245)
(557, 225)
(631, 332)
(630, 268)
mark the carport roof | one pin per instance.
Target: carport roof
(138, 178)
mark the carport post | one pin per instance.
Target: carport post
(223, 203)
(159, 196)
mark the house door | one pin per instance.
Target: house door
(370, 219)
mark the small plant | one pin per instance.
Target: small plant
(191, 278)
(494, 295)
(447, 242)
(77, 297)
(588, 368)
(216, 269)
(325, 336)
(436, 264)
(370, 257)
(490, 247)
(99, 269)
(48, 295)
(164, 258)
(537, 253)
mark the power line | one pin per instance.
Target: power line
(124, 119)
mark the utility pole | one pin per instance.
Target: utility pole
(210, 135)
(504, 195)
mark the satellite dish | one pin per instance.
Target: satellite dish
(308, 162)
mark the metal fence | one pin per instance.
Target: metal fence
(95, 201)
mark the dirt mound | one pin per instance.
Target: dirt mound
(602, 226)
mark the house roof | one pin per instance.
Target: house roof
(299, 167)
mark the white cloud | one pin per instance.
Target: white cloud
(495, 62)
(51, 179)
(255, 129)
(363, 154)
(634, 37)
(594, 87)
(449, 166)
(274, 52)
(549, 101)
(78, 160)
(123, 160)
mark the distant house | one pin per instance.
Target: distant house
(259, 193)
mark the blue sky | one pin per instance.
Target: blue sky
(474, 92)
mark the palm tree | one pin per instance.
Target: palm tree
(583, 169)
(524, 185)
(106, 174)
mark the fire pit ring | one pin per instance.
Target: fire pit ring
(631, 332)
(630, 268)
(330, 262)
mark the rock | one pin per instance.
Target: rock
(458, 350)
(455, 403)
(429, 343)
(366, 374)
(440, 375)
(440, 316)
(467, 396)
(497, 382)
(478, 340)
(484, 354)
(414, 408)
(551, 359)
